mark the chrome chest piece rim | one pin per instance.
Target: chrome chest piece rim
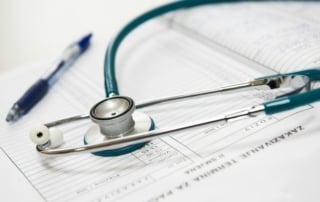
(115, 117)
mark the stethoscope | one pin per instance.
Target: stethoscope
(120, 129)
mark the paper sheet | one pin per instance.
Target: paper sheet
(280, 35)
(256, 159)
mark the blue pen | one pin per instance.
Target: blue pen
(36, 92)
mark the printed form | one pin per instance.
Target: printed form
(262, 158)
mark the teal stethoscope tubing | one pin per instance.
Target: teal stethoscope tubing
(110, 81)
(138, 140)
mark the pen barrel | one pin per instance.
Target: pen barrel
(290, 102)
(33, 95)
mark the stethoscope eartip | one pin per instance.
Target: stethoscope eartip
(42, 135)
(39, 134)
(56, 137)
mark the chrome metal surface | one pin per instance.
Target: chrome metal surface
(290, 83)
(201, 93)
(111, 107)
(67, 120)
(293, 83)
(142, 121)
(114, 116)
(146, 136)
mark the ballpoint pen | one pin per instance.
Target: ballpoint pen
(36, 92)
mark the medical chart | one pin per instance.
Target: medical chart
(262, 158)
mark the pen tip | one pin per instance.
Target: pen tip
(9, 118)
(14, 113)
(84, 42)
(89, 35)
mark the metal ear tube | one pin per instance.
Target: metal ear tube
(125, 143)
(119, 129)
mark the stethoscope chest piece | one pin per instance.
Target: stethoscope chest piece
(115, 117)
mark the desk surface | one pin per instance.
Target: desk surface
(37, 30)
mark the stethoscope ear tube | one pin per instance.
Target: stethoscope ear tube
(289, 102)
(270, 107)
(147, 136)
(118, 109)
(110, 81)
